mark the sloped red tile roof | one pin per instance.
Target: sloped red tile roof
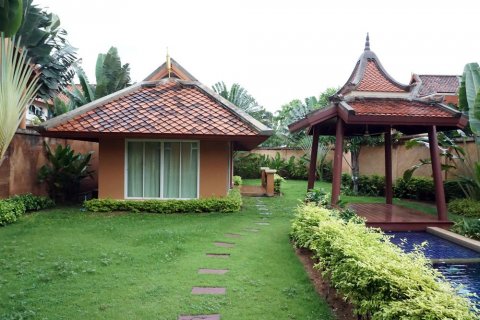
(432, 84)
(374, 80)
(384, 107)
(168, 107)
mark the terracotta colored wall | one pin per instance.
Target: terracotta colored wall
(214, 158)
(111, 173)
(25, 156)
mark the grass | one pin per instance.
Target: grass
(69, 264)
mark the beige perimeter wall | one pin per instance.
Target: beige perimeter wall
(26, 155)
(372, 159)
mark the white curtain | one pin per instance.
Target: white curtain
(135, 169)
(189, 170)
(171, 170)
(151, 174)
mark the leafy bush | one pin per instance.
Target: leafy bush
(468, 228)
(248, 166)
(373, 185)
(34, 203)
(319, 197)
(277, 183)
(453, 190)
(237, 180)
(417, 188)
(12, 208)
(465, 207)
(64, 172)
(230, 203)
(376, 276)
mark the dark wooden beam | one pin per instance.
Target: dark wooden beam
(437, 174)
(313, 159)
(337, 161)
(388, 167)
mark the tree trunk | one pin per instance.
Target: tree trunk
(355, 169)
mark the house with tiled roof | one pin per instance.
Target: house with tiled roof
(169, 137)
(443, 88)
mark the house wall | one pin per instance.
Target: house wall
(26, 155)
(214, 169)
(111, 172)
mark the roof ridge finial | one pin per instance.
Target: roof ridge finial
(367, 43)
(169, 64)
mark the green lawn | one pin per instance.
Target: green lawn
(69, 264)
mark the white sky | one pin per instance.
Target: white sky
(277, 50)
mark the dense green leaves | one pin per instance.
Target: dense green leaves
(64, 172)
(48, 49)
(469, 96)
(13, 208)
(110, 74)
(230, 203)
(376, 276)
(11, 15)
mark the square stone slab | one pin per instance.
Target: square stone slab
(224, 244)
(252, 230)
(262, 223)
(201, 317)
(263, 208)
(212, 271)
(208, 290)
(219, 255)
(232, 235)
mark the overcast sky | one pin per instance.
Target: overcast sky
(277, 50)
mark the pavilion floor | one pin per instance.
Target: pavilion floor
(396, 218)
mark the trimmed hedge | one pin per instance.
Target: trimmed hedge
(237, 181)
(377, 277)
(230, 203)
(465, 207)
(417, 188)
(13, 208)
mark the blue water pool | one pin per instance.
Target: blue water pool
(437, 248)
(465, 275)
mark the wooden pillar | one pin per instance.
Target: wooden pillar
(388, 167)
(437, 174)
(337, 161)
(313, 159)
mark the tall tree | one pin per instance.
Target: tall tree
(47, 48)
(110, 74)
(469, 97)
(11, 16)
(240, 97)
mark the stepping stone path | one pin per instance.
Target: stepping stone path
(199, 317)
(208, 290)
(212, 271)
(219, 255)
(232, 235)
(205, 317)
(224, 244)
(262, 210)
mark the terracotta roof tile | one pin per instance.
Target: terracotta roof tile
(398, 108)
(168, 108)
(374, 80)
(432, 84)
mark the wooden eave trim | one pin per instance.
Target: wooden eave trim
(401, 120)
(315, 118)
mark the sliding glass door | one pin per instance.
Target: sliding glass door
(162, 169)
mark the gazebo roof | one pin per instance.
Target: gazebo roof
(372, 101)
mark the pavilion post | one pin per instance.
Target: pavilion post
(313, 159)
(437, 174)
(388, 167)
(337, 161)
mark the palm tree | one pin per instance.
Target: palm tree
(18, 86)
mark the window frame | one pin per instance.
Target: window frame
(162, 166)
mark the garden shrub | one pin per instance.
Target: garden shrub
(277, 183)
(417, 188)
(319, 197)
(453, 190)
(468, 228)
(237, 181)
(376, 276)
(373, 185)
(14, 207)
(465, 207)
(230, 203)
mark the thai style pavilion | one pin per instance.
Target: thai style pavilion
(372, 102)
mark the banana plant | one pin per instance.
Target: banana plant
(469, 96)
(18, 86)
